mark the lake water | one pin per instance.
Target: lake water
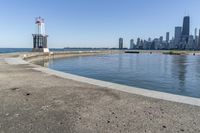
(14, 50)
(167, 73)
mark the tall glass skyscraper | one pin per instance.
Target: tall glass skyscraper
(199, 41)
(186, 28)
(120, 43)
(177, 33)
(131, 44)
(167, 37)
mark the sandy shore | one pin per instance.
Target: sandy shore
(35, 101)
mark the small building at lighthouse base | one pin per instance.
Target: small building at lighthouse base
(40, 43)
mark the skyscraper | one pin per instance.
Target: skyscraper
(186, 29)
(131, 44)
(141, 44)
(177, 37)
(161, 39)
(199, 41)
(138, 42)
(195, 39)
(167, 37)
(178, 30)
(195, 32)
(156, 43)
(190, 45)
(120, 43)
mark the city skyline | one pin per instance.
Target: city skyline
(182, 40)
(85, 24)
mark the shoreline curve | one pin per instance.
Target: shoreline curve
(31, 57)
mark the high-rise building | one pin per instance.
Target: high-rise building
(195, 32)
(156, 43)
(167, 37)
(190, 45)
(195, 39)
(199, 41)
(120, 43)
(161, 39)
(172, 43)
(141, 44)
(177, 37)
(138, 42)
(177, 32)
(186, 29)
(131, 44)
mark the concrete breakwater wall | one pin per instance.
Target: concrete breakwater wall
(32, 57)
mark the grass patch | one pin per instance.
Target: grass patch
(176, 52)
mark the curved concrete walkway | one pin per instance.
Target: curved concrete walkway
(36, 99)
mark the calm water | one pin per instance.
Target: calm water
(13, 50)
(167, 73)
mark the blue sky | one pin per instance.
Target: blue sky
(93, 23)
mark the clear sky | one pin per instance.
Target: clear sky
(93, 23)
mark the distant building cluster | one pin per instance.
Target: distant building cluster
(182, 40)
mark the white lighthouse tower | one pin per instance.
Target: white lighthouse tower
(40, 38)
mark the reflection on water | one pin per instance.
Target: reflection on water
(179, 65)
(197, 67)
(168, 73)
(45, 62)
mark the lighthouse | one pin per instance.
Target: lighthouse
(40, 37)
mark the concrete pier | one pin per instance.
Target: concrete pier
(39, 100)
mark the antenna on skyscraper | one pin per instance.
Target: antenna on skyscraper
(185, 13)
